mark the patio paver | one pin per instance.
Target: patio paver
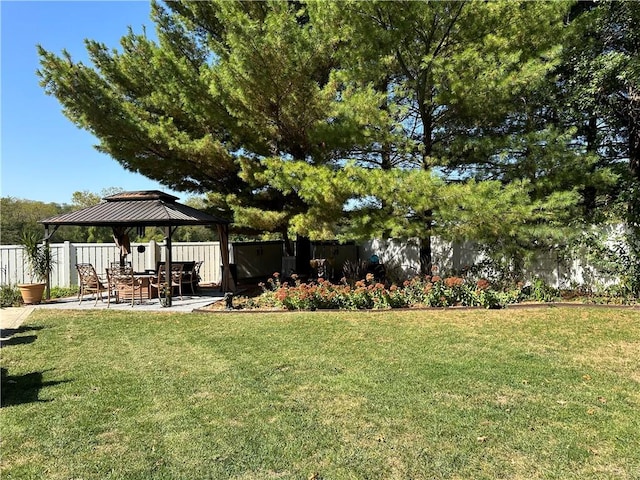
(187, 304)
(12, 317)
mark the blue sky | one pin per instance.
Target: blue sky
(44, 156)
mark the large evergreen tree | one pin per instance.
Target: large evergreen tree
(599, 94)
(341, 118)
(454, 81)
(225, 85)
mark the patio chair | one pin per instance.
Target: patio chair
(116, 265)
(90, 282)
(195, 279)
(175, 278)
(124, 284)
(191, 275)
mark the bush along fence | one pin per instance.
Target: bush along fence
(419, 292)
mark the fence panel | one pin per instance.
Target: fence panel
(257, 260)
(336, 255)
(57, 273)
(262, 259)
(208, 252)
(13, 269)
(100, 255)
(402, 256)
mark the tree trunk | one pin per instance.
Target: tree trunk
(289, 250)
(634, 143)
(303, 256)
(589, 193)
(426, 262)
(634, 168)
(425, 255)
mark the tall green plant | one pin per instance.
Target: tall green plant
(38, 258)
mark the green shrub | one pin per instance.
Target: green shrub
(541, 292)
(10, 296)
(616, 255)
(62, 292)
(432, 291)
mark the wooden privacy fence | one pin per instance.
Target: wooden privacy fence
(143, 256)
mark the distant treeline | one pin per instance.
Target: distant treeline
(20, 215)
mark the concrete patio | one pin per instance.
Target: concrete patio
(13, 317)
(189, 303)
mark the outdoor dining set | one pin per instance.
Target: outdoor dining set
(123, 284)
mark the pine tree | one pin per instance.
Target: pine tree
(457, 77)
(345, 119)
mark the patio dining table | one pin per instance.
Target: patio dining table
(146, 286)
(145, 282)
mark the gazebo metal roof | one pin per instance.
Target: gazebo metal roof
(147, 208)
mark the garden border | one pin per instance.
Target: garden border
(512, 306)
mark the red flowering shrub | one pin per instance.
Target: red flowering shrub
(452, 282)
(431, 291)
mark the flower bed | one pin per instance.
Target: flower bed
(427, 291)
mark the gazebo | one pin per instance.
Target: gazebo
(149, 208)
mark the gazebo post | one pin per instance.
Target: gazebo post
(168, 232)
(47, 236)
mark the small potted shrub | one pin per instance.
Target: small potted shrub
(39, 262)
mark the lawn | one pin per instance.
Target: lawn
(549, 393)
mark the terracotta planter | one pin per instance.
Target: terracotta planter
(32, 292)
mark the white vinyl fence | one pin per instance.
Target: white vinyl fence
(143, 256)
(253, 260)
(551, 267)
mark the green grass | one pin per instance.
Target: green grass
(520, 394)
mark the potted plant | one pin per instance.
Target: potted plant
(39, 263)
(164, 295)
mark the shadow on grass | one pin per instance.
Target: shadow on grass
(23, 340)
(20, 389)
(9, 336)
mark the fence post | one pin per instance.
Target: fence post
(68, 263)
(153, 257)
(456, 248)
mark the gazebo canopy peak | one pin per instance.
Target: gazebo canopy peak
(141, 195)
(139, 208)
